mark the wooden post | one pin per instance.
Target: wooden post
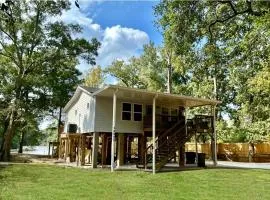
(83, 140)
(186, 129)
(196, 148)
(215, 136)
(181, 160)
(104, 149)
(66, 149)
(141, 147)
(113, 129)
(120, 149)
(129, 148)
(49, 148)
(154, 135)
(125, 148)
(95, 149)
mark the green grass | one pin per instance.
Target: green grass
(51, 182)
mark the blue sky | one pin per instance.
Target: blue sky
(122, 27)
(133, 14)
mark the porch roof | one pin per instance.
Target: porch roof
(146, 96)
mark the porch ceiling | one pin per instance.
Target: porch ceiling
(171, 100)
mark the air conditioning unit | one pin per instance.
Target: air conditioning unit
(72, 128)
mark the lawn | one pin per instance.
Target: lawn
(52, 182)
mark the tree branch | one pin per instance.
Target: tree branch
(248, 10)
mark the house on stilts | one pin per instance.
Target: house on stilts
(115, 125)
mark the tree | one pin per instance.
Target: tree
(225, 40)
(95, 77)
(145, 71)
(127, 74)
(37, 59)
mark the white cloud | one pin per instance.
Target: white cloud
(120, 43)
(117, 42)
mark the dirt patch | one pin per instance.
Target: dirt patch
(31, 158)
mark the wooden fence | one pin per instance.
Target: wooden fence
(242, 152)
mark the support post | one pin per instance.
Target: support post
(154, 134)
(113, 129)
(120, 151)
(104, 149)
(66, 149)
(196, 149)
(141, 147)
(186, 129)
(215, 136)
(49, 148)
(95, 149)
(82, 150)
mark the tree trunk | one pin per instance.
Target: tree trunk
(21, 142)
(169, 79)
(59, 124)
(5, 153)
(3, 133)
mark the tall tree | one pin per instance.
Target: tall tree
(94, 77)
(226, 40)
(145, 71)
(37, 59)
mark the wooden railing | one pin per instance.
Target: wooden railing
(162, 121)
(174, 133)
(204, 123)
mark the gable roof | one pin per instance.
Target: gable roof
(89, 89)
(77, 93)
(126, 93)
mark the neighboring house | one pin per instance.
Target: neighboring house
(130, 113)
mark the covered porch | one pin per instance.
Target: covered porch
(161, 125)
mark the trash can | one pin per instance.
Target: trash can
(201, 159)
(190, 157)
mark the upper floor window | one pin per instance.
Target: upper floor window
(126, 111)
(137, 112)
(76, 112)
(88, 105)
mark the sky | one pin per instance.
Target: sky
(122, 27)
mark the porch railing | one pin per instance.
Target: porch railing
(162, 121)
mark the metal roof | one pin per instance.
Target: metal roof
(125, 93)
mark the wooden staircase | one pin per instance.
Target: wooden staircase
(167, 143)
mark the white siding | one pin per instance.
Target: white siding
(103, 118)
(85, 116)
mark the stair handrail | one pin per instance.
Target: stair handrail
(177, 143)
(162, 135)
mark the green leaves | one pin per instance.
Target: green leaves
(38, 58)
(144, 72)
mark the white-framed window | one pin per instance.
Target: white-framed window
(76, 112)
(126, 111)
(137, 112)
(88, 105)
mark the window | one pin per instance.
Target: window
(137, 112)
(126, 111)
(76, 112)
(88, 105)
